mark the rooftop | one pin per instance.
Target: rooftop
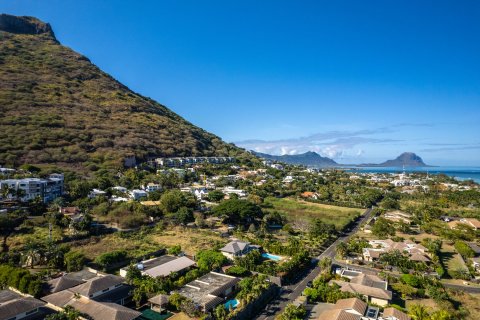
(206, 290)
(338, 314)
(97, 284)
(13, 304)
(353, 303)
(235, 246)
(392, 312)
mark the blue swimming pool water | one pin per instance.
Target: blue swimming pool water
(271, 256)
(231, 304)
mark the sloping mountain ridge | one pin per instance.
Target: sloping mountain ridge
(309, 159)
(57, 107)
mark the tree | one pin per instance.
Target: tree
(107, 259)
(319, 229)
(237, 211)
(8, 223)
(30, 168)
(208, 260)
(237, 271)
(74, 261)
(293, 312)
(172, 200)
(68, 313)
(215, 196)
(419, 312)
(464, 249)
(341, 250)
(383, 228)
(220, 312)
(32, 250)
(325, 264)
(133, 273)
(184, 215)
(441, 315)
(175, 300)
(174, 250)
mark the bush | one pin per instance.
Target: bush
(238, 271)
(20, 279)
(107, 259)
(210, 260)
(74, 261)
(464, 250)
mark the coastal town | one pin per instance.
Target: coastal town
(216, 238)
(239, 160)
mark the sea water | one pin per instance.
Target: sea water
(459, 173)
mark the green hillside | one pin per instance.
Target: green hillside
(56, 107)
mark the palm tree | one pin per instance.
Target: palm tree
(441, 315)
(341, 250)
(6, 191)
(325, 264)
(419, 312)
(31, 250)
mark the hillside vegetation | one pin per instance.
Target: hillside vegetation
(56, 107)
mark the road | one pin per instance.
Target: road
(291, 292)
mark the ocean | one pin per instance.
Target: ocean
(459, 173)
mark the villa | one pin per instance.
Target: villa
(416, 251)
(393, 314)
(350, 309)
(237, 249)
(101, 297)
(162, 266)
(371, 287)
(16, 306)
(210, 290)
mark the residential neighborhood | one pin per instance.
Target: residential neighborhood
(248, 244)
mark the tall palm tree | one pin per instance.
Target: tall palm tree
(325, 264)
(342, 249)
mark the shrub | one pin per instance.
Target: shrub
(107, 259)
(74, 261)
(238, 271)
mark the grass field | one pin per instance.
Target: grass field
(302, 211)
(190, 240)
(451, 259)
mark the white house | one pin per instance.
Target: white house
(120, 189)
(137, 194)
(150, 187)
(47, 189)
(96, 193)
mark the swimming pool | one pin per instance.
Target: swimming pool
(231, 304)
(271, 256)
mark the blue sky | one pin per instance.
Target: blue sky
(359, 81)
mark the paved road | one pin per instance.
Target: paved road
(291, 292)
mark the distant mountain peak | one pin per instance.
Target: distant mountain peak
(24, 25)
(406, 159)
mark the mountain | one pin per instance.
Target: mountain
(309, 159)
(407, 159)
(56, 107)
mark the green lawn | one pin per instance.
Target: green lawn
(451, 259)
(299, 210)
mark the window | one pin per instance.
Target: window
(105, 290)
